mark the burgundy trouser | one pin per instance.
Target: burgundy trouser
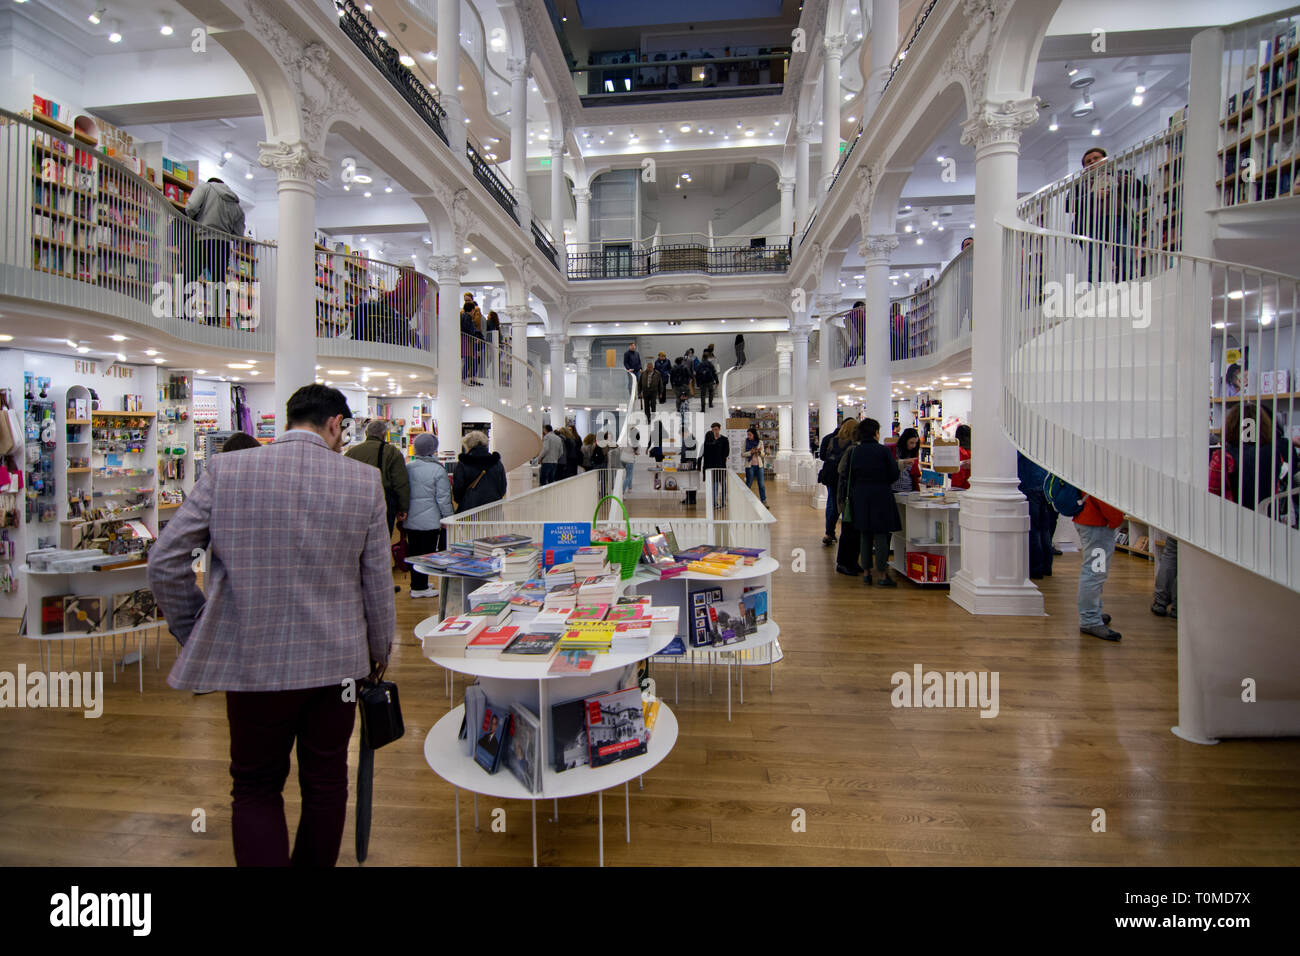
(263, 729)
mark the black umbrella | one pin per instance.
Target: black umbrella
(365, 798)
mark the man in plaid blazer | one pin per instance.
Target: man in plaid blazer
(299, 605)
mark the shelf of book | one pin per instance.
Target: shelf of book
(1260, 109)
(763, 567)
(928, 549)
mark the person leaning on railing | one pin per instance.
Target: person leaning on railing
(215, 208)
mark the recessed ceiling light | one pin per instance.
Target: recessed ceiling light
(412, 375)
(83, 349)
(121, 357)
(238, 365)
(73, 345)
(6, 337)
(328, 371)
(150, 351)
(159, 360)
(685, 127)
(200, 371)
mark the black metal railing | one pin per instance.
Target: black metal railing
(387, 60)
(624, 263)
(545, 245)
(486, 175)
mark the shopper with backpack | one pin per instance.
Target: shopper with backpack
(1042, 517)
(1096, 523)
(830, 453)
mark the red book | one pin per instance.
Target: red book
(491, 641)
(627, 612)
(590, 612)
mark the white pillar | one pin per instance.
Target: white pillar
(518, 315)
(834, 47)
(786, 185)
(884, 43)
(994, 515)
(582, 212)
(875, 251)
(828, 410)
(449, 79)
(297, 167)
(784, 350)
(803, 135)
(582, 359)
(557, 190)
(556, 341)
(518, 73)
(799, 417)
(447, 407)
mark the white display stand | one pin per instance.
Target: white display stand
(675, 591)
(105, 584)
(919, 515)
(529, 683)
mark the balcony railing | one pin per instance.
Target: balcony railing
(542, 240)
(492, 182)
(635, 259)
(85, 231)
(387, 61)
(373, 309)
(493, 378)
(697, 78)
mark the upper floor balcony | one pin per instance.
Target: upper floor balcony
(681, 253)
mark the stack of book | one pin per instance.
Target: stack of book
(589, 612)
(489, 546)
(492, 591)
(550, 621)
(493, 612)
(562, 598)
(589, 562)
(600, 589)
(521, 564)
(595, 636)
(558, 575)
(490, 641)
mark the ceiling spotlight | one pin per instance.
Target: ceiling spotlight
(1083, 107)
(406, 61)
(96, 15)
(115, 33)
(1142, 84)
(686, 127)
(121, 357)
(1053, 126)
(389, 187)
(939, 158)
(749, 132)
(248, 173)
(150, 351)
(1138, 99)
(166, 28)
(83, 349)
(226, 154)
(118, 338)
(159, 361)
(1096, 131)
(1081, 79)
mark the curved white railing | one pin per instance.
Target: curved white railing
(1105, 384)
(367, 308)
(84, 231)
(752, 381)
(601, 386)
(493, 378)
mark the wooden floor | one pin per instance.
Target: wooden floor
(1084, 724)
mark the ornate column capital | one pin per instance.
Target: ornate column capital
(877, 249)
(998, 125)
(828, 302)
(557, 340)
(518, 314)
(293, 161)
(835, 44)
(557, 147)
(448, 268)
(804, 131)
(581, 194)
(516, 69)
(786, 184)
(582, 349)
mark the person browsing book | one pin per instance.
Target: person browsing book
(430, 504)
(869, 503)
(297, 603)
(832, 449)
(754, 460)
(908, 453)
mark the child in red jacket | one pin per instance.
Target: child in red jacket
(1096, 525)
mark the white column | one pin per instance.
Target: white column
(875, 251)
(582, 359)
(518, 315)
(803, 135)
(884, 43)
(799, 397)
(784, 350)
(447, 407)
(518, 73)
(557, 191)
(449, 78)
(828, 410)
(556, 341)
(994, 515)
(582, 211)
(786, 185)
(297, 167)
(834, 47)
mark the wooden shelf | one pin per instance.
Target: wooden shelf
(177, 181)
(52, 123)
(78, 471)
(77, 421)
(38, 178)
(110, 414)
(1281, 397)
(168, 506)
(47, 211)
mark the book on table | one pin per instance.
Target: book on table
(464, 627)
(490, 740)
(755, 598)
(589, 612)
(490, 642)
(550, 621)
(568, 663)
(475, 704)
(494, 612)
(703, 617)
(616, 727)
(627, 612)
(587, 635)
(524, 749)
(531, 646)
(569, 735)
(491, 592)
(490, 545)
(656, 551)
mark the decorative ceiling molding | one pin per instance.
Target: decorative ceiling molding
(969, 60)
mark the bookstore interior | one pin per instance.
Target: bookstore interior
(617, 628)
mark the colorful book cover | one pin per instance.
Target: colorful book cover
(755, 600)
(491, 738)
(491, 611)
(465, 627)
(571, 663)
(52, 613)
(569, 735)
(525, 748)
(490, 641)
(589, 612)
(504, 541)
(656, 550)
(627, 612)
(674, 648)
(693, 554)
(703, 619)
(561, 539)
(82, 615)
(532, 645)
(616, 727)
(132, 609)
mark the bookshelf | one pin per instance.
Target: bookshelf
(1165, 230)
(1257, 130)
(121, 517)
(918, 319)
(1137, 537)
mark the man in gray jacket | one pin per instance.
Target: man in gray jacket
(549, 459)
(214, 207)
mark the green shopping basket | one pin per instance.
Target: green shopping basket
(621, 554)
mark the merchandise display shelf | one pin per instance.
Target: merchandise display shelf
(761, 568)
(918, 515)
(767, 636)
(445, 754)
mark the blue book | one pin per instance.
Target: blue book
(491, 738)
(562, 539)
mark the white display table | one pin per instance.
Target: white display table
(528, 682)
(919, 515)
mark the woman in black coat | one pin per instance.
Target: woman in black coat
(871, 471)
(479, 478)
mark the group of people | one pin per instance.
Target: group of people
(475, 329)
(688, 374)
(565, 454)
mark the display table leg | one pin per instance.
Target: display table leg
(476, 830)
(600, 823)
(729, 666)
(627, 810)
(555, 818)
(740, 676)
(112, 656)
(139, 650)
(534, 803)
(712, 661)
(60, 655)
(641, 782)
(771, 666)
(456, 791)
(675, 663)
